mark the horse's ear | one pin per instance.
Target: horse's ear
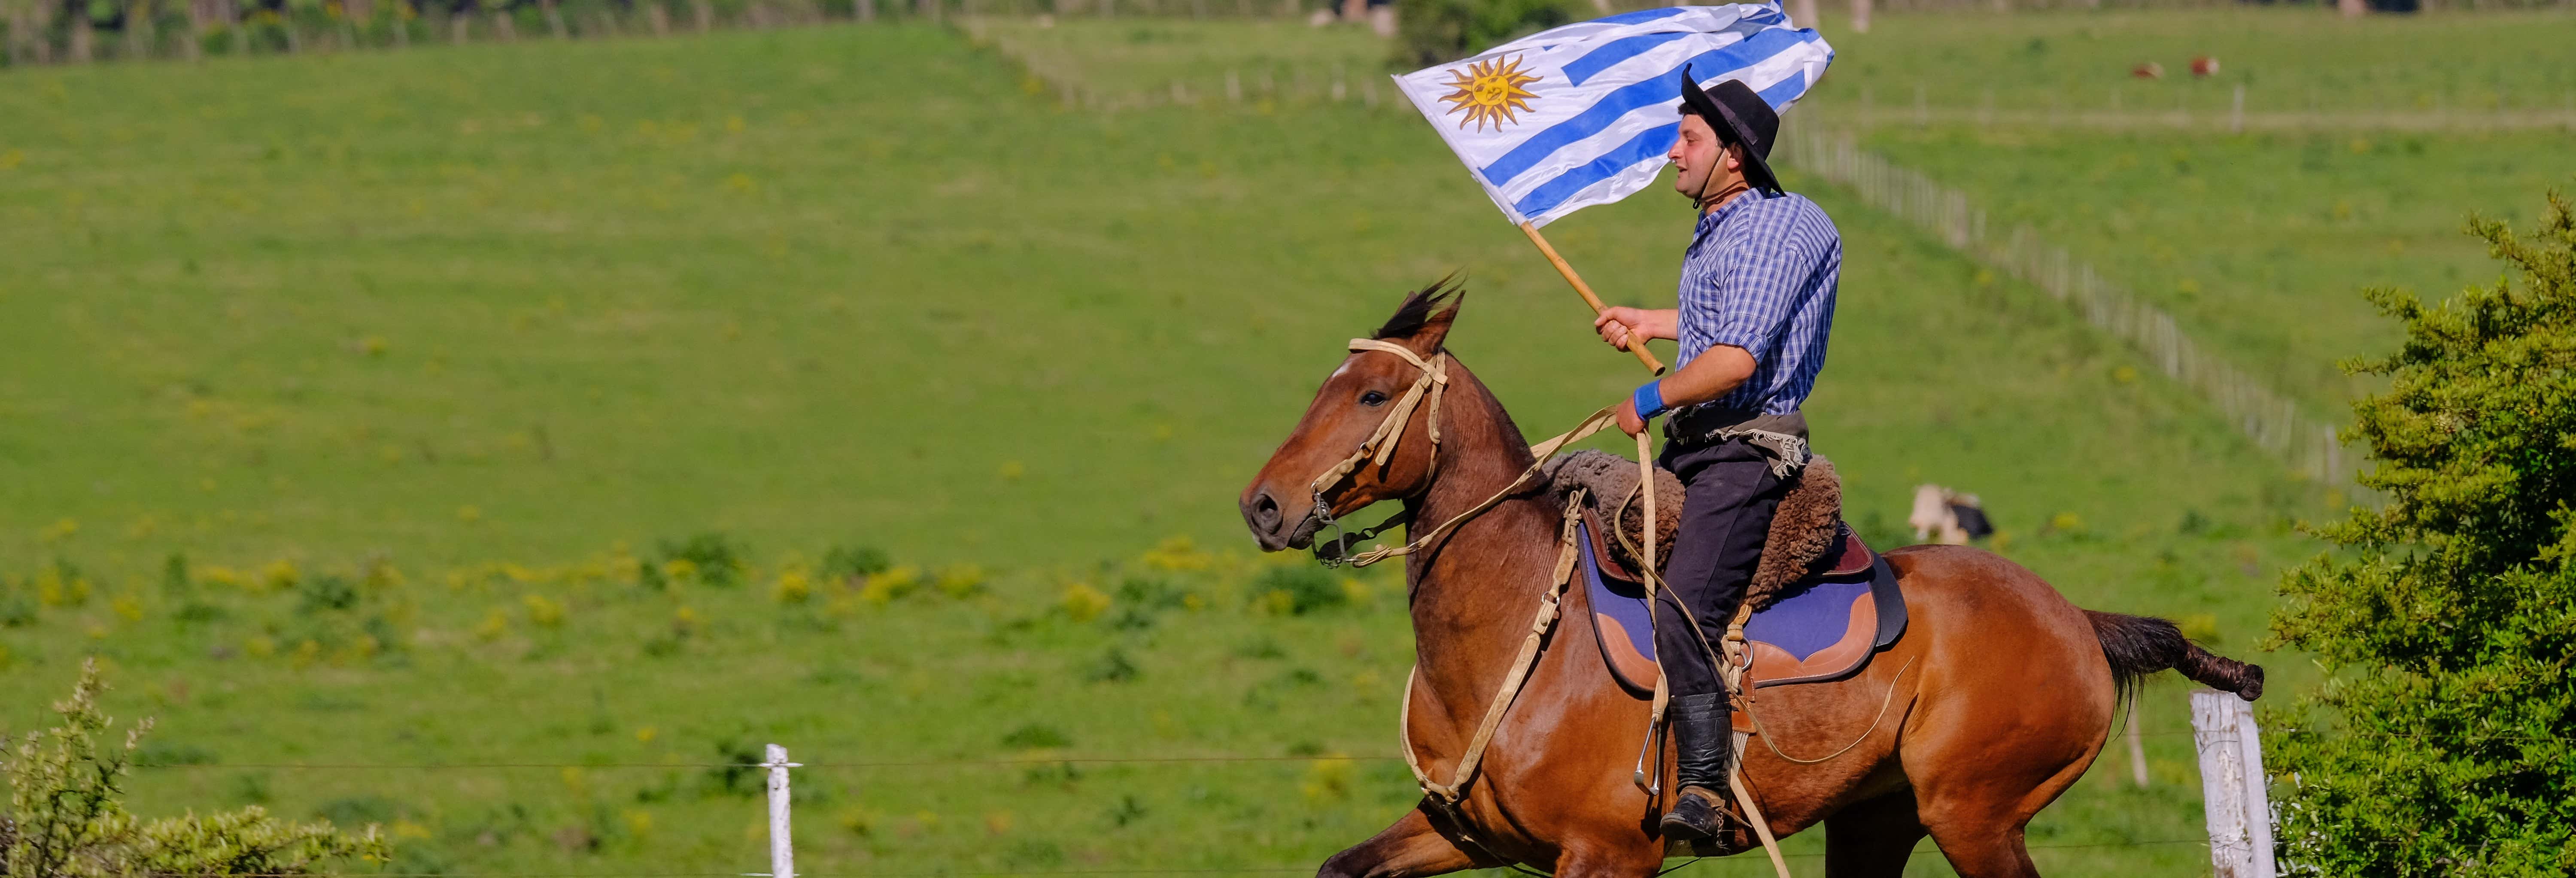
(1422, 322)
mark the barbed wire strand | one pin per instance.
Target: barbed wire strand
(955, 872)
(1091, 760)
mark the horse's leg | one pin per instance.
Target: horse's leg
(1873, 838)
(1410, 847)
(1977, 812)
(1617, 862)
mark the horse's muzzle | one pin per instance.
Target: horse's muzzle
(1271, 526)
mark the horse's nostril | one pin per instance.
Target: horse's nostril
(1266, 510)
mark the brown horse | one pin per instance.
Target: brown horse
(1996, 699)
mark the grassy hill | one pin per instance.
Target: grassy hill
(2369, 143)
(422, 360)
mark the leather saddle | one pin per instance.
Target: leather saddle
(1823, 628)
(1823, 602)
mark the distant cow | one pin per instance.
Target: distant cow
(1948, 517)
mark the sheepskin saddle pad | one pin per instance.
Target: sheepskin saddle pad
(1807, 533)
(1823, 602)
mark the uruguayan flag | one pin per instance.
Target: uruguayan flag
(1583, 114)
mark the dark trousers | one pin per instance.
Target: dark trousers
(1729, 498)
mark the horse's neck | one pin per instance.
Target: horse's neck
(1473, 592)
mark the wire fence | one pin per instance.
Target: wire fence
(46, 33)
(2236, 110)
(1043, 760)
(2272, 420)
(780, 795)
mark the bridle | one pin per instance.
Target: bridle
(1378, 449)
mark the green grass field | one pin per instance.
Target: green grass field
(2258, 244)
(2290, 59)
(461, 336)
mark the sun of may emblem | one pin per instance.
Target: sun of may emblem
(1489, 91)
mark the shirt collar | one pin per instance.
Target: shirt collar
(1709, 221)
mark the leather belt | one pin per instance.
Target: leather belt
(1703, 424)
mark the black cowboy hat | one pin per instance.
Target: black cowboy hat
(1739, 116)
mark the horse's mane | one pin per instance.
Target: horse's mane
(1421, 305)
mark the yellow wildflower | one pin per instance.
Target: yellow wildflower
(280, 574)
(793, 587)
(960, 580)
(885, 586)
(58, 531)
(1178, 554)
(1329, 779)
(1084, 603)
(543, 613)
(680, 569)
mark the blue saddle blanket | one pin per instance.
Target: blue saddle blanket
(1823, 629)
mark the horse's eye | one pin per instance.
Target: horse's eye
(1372, 398)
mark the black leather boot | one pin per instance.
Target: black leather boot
(1703, 740)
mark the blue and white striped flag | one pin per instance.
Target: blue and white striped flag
(1583, 114)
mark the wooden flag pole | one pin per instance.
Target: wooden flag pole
(1635, 345)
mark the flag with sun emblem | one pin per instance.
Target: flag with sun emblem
(1583, 114)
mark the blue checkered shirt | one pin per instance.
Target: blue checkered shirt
(1760, 275)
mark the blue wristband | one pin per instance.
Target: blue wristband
(1649, 400)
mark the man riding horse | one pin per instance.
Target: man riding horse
(1756, 306)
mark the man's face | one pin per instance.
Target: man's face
(1696, 153)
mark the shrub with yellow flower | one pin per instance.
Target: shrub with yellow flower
(1329, 779)
(279, 574)
(883, 587)
(680, 570)
(224, 577)
(1178, 554)
(961, 580)
(62, 585)
(543, 612)
(793, 586)
(127, 606)
(1082, 603)
(58, 531)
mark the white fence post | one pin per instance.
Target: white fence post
(2231, 781)
(782, 848)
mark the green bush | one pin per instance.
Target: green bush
(1434, 31)
(2448, 624)
(65, 818)
(1037, 736)
(1299, 590)
(717, 557)
(844, 563)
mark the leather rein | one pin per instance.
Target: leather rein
(1380, 448)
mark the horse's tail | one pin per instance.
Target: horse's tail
(2142, 645)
